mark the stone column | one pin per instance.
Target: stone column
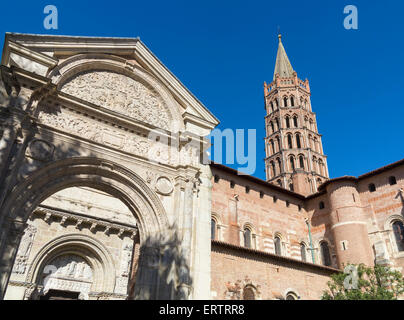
(185, 280)
(202, 245)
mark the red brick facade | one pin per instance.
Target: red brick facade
(299, 220)
(355, 223)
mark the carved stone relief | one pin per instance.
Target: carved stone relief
(40, 150)
(70, 273)
(113, 137)
(164, 186)
(120, 93)
(24, 250)
(122, 280)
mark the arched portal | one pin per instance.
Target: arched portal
(159, 242)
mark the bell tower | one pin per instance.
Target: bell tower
(294, 152)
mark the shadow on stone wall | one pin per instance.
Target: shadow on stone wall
(163, 272)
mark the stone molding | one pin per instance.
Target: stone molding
(109, 226)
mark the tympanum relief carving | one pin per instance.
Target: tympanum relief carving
(68, 272)
(122, 94)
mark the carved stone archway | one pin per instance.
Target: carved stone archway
(95, 256)
(154, 229)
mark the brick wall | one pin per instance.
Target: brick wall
(270, 276)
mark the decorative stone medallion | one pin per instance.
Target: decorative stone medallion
(164, 186)
(40, 150)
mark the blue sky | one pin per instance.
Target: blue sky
(223, 51)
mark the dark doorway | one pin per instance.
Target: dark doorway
(60, 295)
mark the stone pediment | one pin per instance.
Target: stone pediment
(47, 55)
(120, 93)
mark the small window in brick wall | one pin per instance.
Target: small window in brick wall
(344, 245)
(217, 178)
(261, 194)
(275, 199)
(392, 181)
(321, 205)
(232, 184)
(247, 189)
(372, 187)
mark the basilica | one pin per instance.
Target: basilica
(105, 193)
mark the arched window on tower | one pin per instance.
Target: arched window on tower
(301, 162)
(315, 164)
(292, 163)
(325, 254)
(272, 107)
(278, 144)
(398, 229)
(285, 102)
(292, 101)
(277, 103)
(303, 252)
(316, 145)
(273, 169)
(311, 125)
(287, 120)
(277, 124)
(278, 160)
(290, 142)
(272, 127)
(298, 141)
(278, 246)
(247, 237)
(272, 147)
(295, 122)
(321, 167)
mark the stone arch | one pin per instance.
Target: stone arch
(90, 249)
(390, 220)
(93, 62)
(249, 234)
(330, 246)
(154, 229)
(292, 292)
(388, 226)
(95, 173)
(218, 222)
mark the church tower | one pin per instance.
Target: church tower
(294, 152)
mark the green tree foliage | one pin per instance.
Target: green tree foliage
(359, 282)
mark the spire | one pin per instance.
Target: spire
(282, 65)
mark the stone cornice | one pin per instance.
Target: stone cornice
(79, 219)
(131, 47)
(13, 47)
